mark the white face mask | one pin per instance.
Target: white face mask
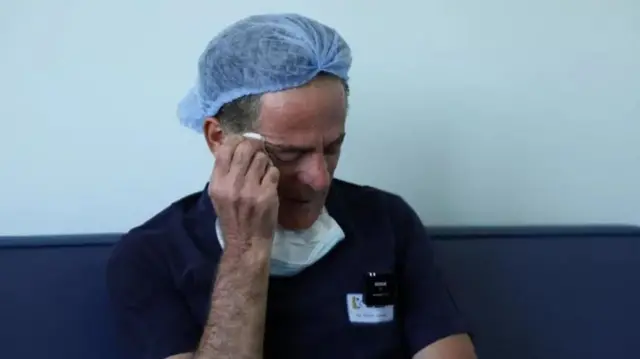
(293, 251)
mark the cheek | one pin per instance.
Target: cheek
(290, 173)
(332, 162)
(288, 179)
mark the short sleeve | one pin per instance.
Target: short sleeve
(154, 321)
(426, 307)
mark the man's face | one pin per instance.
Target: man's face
(304, 129)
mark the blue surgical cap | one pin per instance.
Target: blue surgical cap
(262, 53)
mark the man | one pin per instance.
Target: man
(275, 258)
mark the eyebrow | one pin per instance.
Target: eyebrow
(291, 148)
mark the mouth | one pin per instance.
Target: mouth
(298, 201)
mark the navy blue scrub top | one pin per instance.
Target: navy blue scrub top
(160, 277)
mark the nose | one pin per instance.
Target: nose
(315, 173)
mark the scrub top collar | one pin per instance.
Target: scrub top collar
(201, 219)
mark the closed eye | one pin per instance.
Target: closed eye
(290, 154)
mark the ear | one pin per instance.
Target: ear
(213, 133)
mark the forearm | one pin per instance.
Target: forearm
(235, 327)
(458, 346)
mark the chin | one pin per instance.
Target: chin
(297, 221)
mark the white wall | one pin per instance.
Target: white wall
(89, 141)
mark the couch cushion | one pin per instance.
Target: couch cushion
(53, 300)
(546, 293)
(528, 292)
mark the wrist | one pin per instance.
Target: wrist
(256, 255)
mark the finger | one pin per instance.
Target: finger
(224, 154)
(243, 156)
(258, 168)
(271, 177)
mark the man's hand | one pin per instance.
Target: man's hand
(452, 347)
(243, 190)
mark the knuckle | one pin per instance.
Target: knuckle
(261, 160)
(214, 190)
(267, 197)
(247, 196)
(243, 152)
(256, 145)
(274, 174)
(260, 157)
(224, 193)
(231, 195)
(245, 147)
(240, 155)
(263, 201)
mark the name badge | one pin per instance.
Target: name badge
(379, 289)
(361, 313)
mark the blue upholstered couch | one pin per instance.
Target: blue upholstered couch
(528, 292)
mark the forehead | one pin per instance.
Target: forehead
(313, 112)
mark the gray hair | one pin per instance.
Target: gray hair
(240, 115)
